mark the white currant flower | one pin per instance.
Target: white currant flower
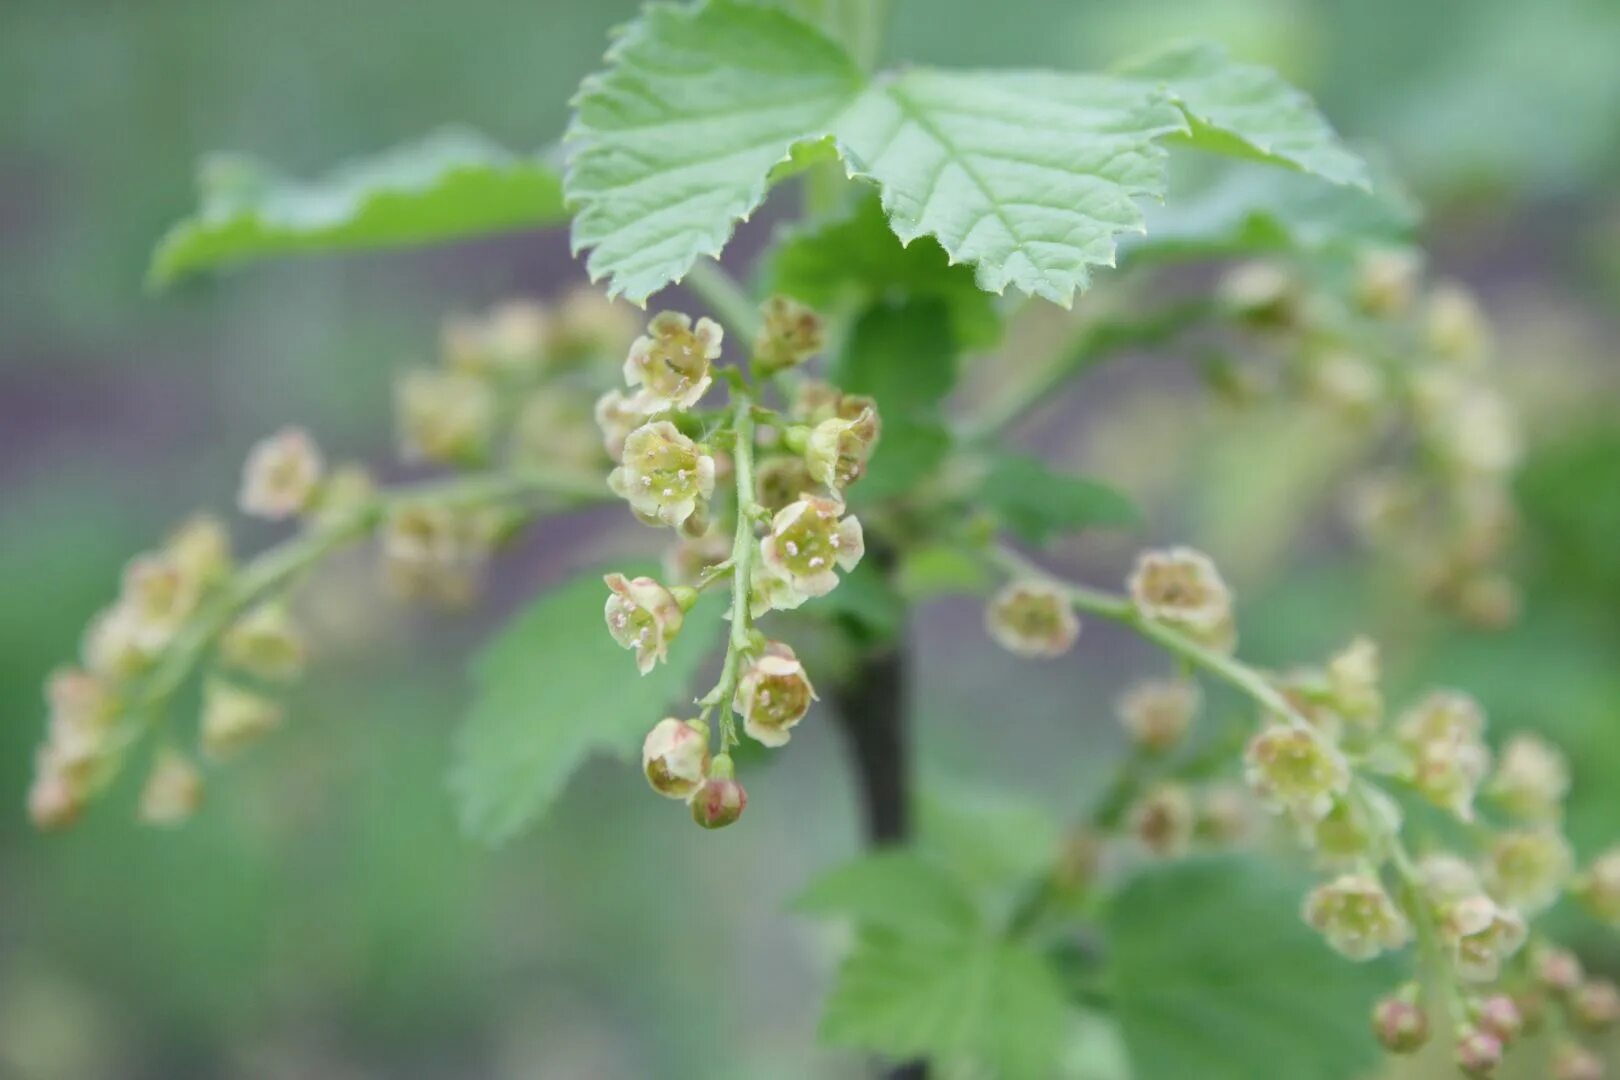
(1296, 770)
(512, 338)
(1353, 681)
(1447, 878)
(200, 549)
(1386, 280)
(1531, 779)
(1443, 738)
(768, 591)
(665, 477)
(266, 643)
(1033, 619)
(159, 596)
(1527, 869)
(444, 416)
(675, 757)
(642, 615)
(1454, 326)
(809, 541)
(282, 475)
(773, 695)
(173, 789)
(838, 449)
(1599, 887)
(1180, 587)
(789, 334)
(672, 360)
(1157, 713)
(115, 644)
(234, 718)
(617, 415)
(1481, 934)
(1356, 916)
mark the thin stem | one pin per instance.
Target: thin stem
(725, 295)
(743, 549)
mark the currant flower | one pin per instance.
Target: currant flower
(642, 615)
(672, 360)
(159, 597)
(554, 429)
(444, 416)
(773, 695)
(1156, 714)
(200, 550)
(173, 789)
(1294, 769)
(54, 802)
(1356, 916)
(675, 757)
(436, 552)
(1528, 868)
(1531, 779)
(781, 481)
(282, 475)
(837, 449)
(1163, 820)
(1481, 934)
(1442, 737)
(665, 477)
(721, 799)
(789, 334)
(265, 643)
(588, 324)
(1598, 887)
(617, 415)
(808, 538)
(1446, 878)
(512, 338)
(1386, 280)
(768, 592)
(234, 718)
(1180, 587)
(1353, 678)
(1356, 829)
(1033, 619)
(115, 643)
(1454, 327)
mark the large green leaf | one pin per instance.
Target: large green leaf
(451, 184)
(1034, 501)
(1248, 110)
(898, 889)
(553, 689)
(673, 143)
(1215, 975)
(1029, 176)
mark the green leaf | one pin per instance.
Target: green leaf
(1248, 110)
(673, 143)
(1035, 502)
(940, 570)
(1214, 975)
(552, 689)
(970, 1001)
(898, 889)
(452, 184)
(1027, 175)
(991, 837)
(854, 262)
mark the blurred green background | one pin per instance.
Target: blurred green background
(322, 918)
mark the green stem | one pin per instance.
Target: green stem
(729, 300)
(743, 549)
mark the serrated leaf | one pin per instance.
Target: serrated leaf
(1029, 176)
(451, 184)
(673, 143)
(898, 889)
(855, 261)
(990, 837)
(1214, 975)
(970, 1001)
(552, 689)
(1035, 501)
(1248, 110)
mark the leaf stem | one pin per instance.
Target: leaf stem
(722, 292)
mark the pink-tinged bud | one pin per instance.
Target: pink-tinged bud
(672, 360)
(282, 475)
(642, 615)
(665, 476)
(265, 643)
(721, 800)
(810, 540)
(1443, 738)
(1528, 868)
(1295, 770)
(790, 333)
(1033, 619)
(1156, 714)
(1163, 819)
(773, 695)
(675, 757)
(1356, 916)
(234, 719)
(1478, 1052)
(444, 416)
(1181, 588)
(1595, 1005)
(1400, 1025)
(1499, 1015)
(173, 791)
(1481, 934)
(1559, 970)
(1572, 1061)
(1598, 889)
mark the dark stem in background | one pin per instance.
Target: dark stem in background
(871, 707)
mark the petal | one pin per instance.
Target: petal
(709, 336)
(851, 542)
(766, 735)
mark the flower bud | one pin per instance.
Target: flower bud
(1558, 970)
(675, 757)
(1446, 878)
(1527, 868)
(234, 718)
(672, 360)
(1454, 327)
(1295, 770)
(1033, 619)
(1442, 737)
(1572, 1061)
(773, 695)
(1598, 889)
(642, 615)
(1400, 1024)
(1500, 1016)
(1356, 916)
(721, 800)
(1225, 814)
(665, 476)
(1162, 820)
(837, 449)
(790, 333)
(282, 475)
(807, 540)
(265, 643)
(438, 552)
(1157, 713)
(1478, 1052)
(1531, 779)
(1181, 588)
(173, 790)
(1386, 281)
(1595, 1005)
(1481, 934)
(444, 416)
(1353, 677)
(200, 550)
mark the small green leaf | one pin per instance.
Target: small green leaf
(856, 261)
(552, 689)
(1035, 502)
(452, 184)
(1248, 110)
(674, 142)
(1215, 975)
(1027, 175)
(898, 889)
